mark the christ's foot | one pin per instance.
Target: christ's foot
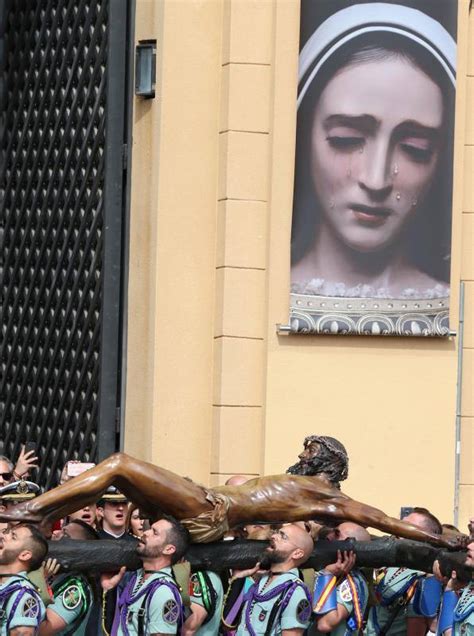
(20, 513)
(455, 542)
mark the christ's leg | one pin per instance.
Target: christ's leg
(149, 487)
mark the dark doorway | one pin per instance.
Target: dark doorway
(64, 95)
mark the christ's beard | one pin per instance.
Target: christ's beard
(303, 468)
(271, 557)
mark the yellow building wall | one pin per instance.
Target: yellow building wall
(212, 389)
(172, 279)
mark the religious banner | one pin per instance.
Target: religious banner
(372, 207)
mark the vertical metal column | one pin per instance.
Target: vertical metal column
(116, 159)
(457, 450)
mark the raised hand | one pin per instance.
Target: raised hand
(453, 583)
(25, 462)
(110, 580)
(438, 574)
(344, 564)
(51, 567)
(242, 574)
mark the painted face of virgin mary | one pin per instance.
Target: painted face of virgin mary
(375, 147)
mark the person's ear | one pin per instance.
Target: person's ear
(25, 556)
(2, 508)
(298, 554)
(169, 549)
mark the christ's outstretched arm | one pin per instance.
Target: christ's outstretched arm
(150, 487)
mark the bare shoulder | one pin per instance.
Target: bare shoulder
(258, 483)
(320, 485)
(286, 481)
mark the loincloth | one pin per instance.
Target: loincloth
(211, 525)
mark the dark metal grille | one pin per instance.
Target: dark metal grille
(52, 206)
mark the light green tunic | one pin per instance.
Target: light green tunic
(163, 614)
(390, 589)
(72, 602)
(30, 610)
(295, 615)
(211, 627)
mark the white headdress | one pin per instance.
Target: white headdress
(359, 19)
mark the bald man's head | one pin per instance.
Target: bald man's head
(236, 480)
(349, 530)
(301, 539)
(291, 545)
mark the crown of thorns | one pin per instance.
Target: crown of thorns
(331, 444)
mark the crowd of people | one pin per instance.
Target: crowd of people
(278, 595)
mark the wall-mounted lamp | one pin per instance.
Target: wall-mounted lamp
(145, 68)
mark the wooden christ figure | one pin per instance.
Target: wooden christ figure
(209, 513)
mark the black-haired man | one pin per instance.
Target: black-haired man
(22, 549)
(151, 601)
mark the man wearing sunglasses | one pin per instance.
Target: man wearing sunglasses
(6, 471)
(9, 472)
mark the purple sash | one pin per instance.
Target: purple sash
(285, 590)
(10, 589)
(127, 598)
